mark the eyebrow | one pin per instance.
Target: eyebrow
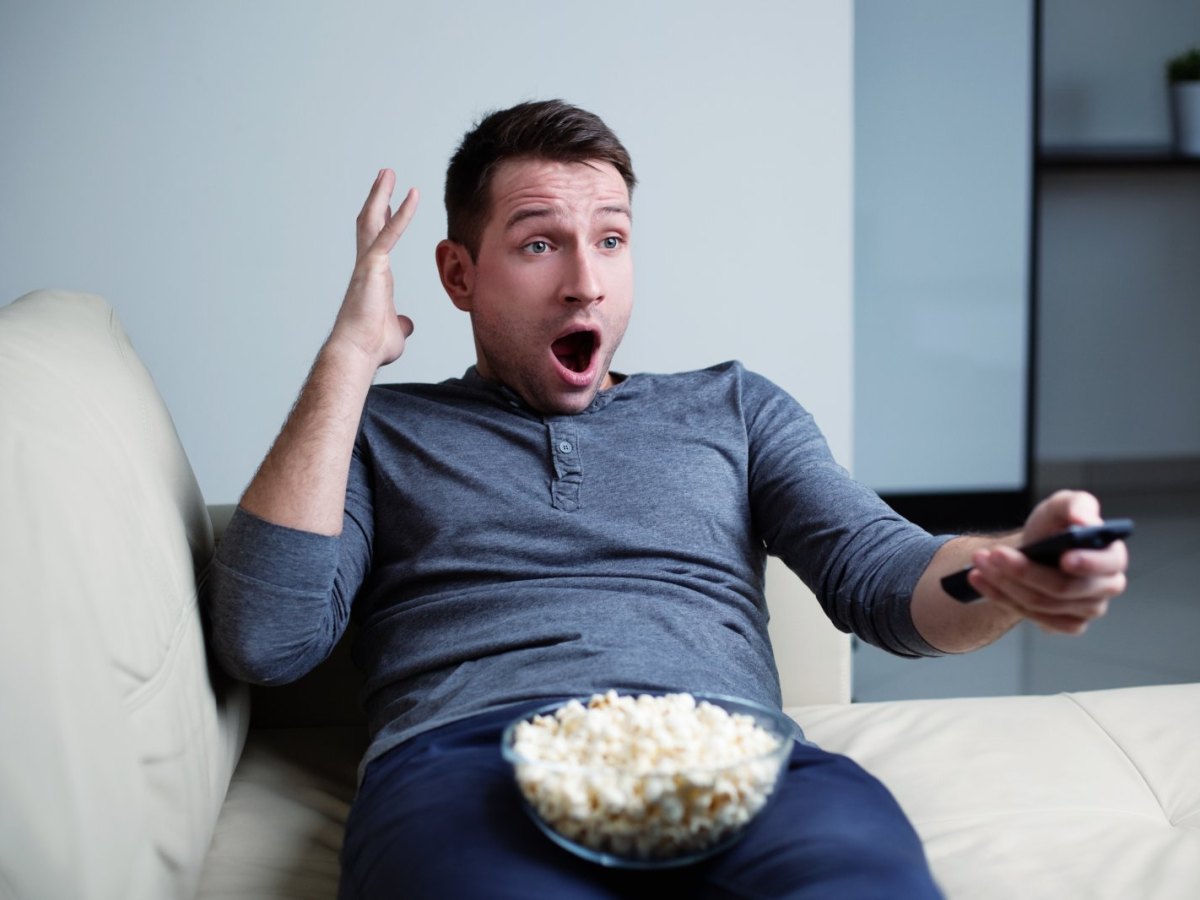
(547, 212)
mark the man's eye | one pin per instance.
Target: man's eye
(537, 247)
(611, 243)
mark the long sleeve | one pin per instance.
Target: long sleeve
(279, 599)
(859, 557)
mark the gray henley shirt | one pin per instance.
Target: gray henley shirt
(493, 555)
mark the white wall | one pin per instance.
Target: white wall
(943, 142)
(943, 131)
(1119, 371)
(201, 165)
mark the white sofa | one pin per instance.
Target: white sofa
(132, 770)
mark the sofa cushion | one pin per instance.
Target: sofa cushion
(1093, 794)
(118, 748)
(280, 832)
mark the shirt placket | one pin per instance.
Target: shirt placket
(568, 465)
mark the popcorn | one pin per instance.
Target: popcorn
(647, 777)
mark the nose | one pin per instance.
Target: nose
(582, 279)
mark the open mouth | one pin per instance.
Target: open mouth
(575, 350)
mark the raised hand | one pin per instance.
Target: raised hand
(302, 481)
(367, 320)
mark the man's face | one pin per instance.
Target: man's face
(551, 289)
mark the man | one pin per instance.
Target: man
(545, 527)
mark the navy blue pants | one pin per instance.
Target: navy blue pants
(440, 817)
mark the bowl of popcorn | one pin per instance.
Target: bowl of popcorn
(647, 780)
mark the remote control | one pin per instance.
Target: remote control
(1048, 550)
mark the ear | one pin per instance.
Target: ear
(457, 272)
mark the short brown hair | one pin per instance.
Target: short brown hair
(545, 129)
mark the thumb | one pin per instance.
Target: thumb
(1081, 508)
(1071, 508)
(1060, 510)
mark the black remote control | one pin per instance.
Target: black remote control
(1048, 550)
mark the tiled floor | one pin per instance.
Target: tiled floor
(1151, 634)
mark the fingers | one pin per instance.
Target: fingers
(1058, 600)
(374, 212)
(367, 319)
(377, 227)
(1106, 561)
(1085, 573)
(397, 223)
(1060, 624)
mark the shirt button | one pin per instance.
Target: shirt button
(565, 447)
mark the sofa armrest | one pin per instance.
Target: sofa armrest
(119, 740)
(813, 657)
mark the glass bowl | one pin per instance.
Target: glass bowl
(643, 799)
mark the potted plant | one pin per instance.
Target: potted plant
(1183, 77)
